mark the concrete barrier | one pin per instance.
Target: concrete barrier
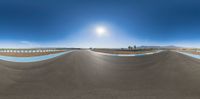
(28, 50)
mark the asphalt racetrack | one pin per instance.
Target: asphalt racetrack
(87, 75)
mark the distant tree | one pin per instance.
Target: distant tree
(130, 47)
(135, 47)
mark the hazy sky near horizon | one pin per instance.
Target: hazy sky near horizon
(72, 23)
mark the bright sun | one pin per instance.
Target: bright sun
(100, 31)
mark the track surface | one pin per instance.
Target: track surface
(86, 75)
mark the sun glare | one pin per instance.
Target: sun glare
(101, 31)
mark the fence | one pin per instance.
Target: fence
(28, 50)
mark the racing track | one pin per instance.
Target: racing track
(87, 75)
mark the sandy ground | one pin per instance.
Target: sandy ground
(87, 75)
(197, 53)
(27, 54)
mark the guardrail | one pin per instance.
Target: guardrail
(28, 50)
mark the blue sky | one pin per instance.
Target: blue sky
(71, 23)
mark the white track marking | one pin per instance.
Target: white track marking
(127, 55)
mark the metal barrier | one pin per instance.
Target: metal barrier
(28, 50)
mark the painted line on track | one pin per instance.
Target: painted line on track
(128, 55)
(188, 54)
(32, 59)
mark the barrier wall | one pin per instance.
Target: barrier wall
(28, 50)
